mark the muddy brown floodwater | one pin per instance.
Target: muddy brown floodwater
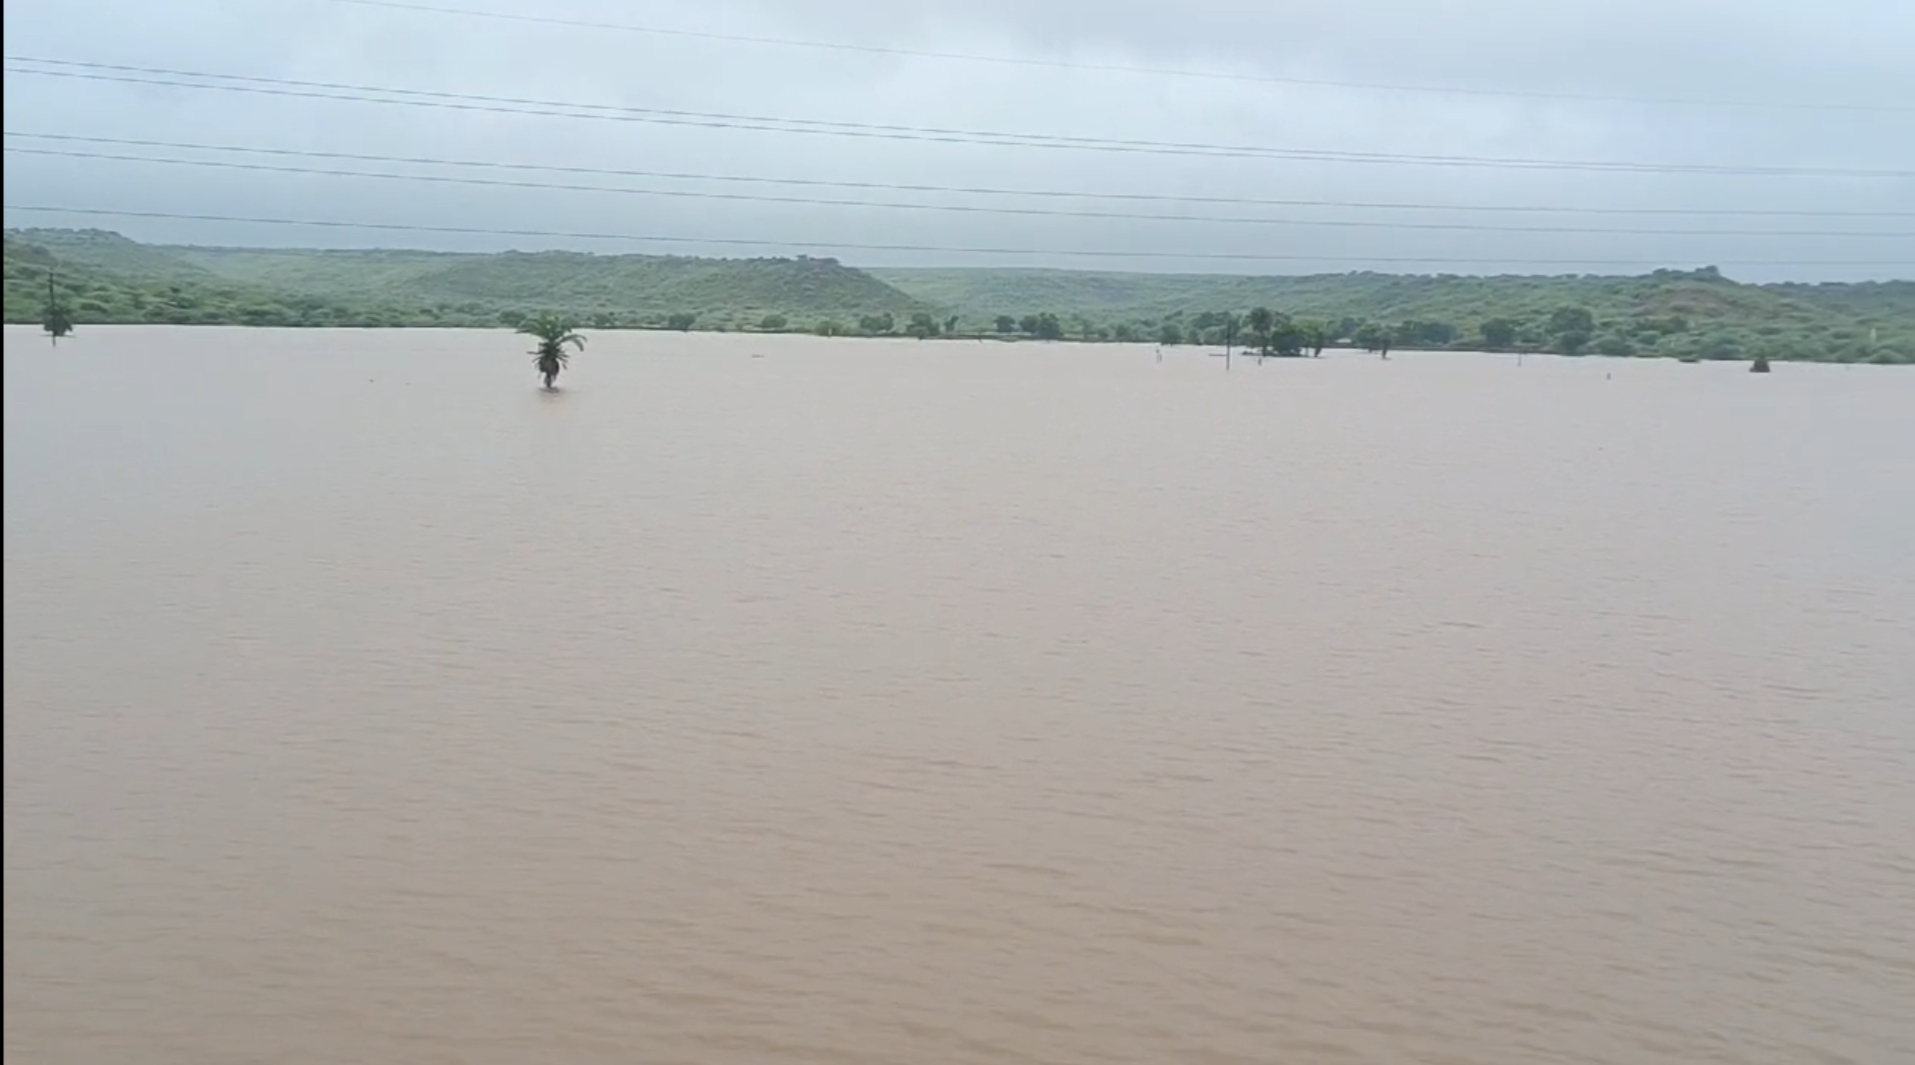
(949, 702)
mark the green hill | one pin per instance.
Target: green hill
(113, 279)
(104, 277)
(718, 290)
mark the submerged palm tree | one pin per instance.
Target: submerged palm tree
(553, 334)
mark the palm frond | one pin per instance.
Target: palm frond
(549, 328)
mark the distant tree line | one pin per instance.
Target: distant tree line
(1686, 325)
(1563, 330)
(103, 278)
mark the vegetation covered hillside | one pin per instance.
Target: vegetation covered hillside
(113, 279)
(104, 277)
(1696, 314)
(154, 289)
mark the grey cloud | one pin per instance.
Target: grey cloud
(1778, 52)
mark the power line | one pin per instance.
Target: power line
(285, 87)
(1117, 68)
(957, 189)
(1101, 253)
(961, 208)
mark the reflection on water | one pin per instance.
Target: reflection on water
(899, 702)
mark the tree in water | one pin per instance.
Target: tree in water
(1573, 328)
(552, 333)
(1315, 336)
(1287, 338)
(1499, 334)
(1044, 326)
(58, 322)
(921, 325)
(1261, 322)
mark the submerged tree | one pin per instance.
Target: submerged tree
(1287, 338)
(1261, 321)
(921, 325)
(552, 333)
(1367, 335)
(1573, 328)
(1277, 334)
(1499, 334)
(1045, 326)
(1314, 336)
(58, 322)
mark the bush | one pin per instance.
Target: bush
(1420, 334)
(1611, 344)
(1042, 326)
(772, 323)
(1721, 346)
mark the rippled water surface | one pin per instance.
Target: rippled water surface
(894, 702)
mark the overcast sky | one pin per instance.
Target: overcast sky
(1826, 85)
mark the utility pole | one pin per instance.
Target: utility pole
(56, 321)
